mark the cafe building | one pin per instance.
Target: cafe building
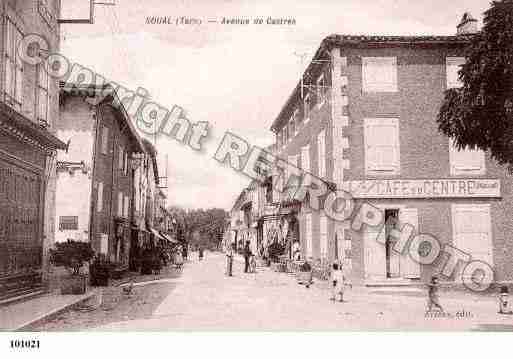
(363, 117)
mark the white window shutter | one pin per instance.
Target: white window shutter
(410, 216)
(466, 161)
(120, 157)
(126, 207)
(379, 74)
(99, 203)
(105, 139)
(321, 150)
(472, 231)
(382, 154)
(120, 204)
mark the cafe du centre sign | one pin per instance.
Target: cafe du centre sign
(425, 188)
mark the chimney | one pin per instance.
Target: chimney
(467, 26)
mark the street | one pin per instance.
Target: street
(203, 298)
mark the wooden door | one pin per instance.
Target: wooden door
(375, 259)
(409, 268)
(21, 242)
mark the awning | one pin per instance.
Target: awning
(169, 238)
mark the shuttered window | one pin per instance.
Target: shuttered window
(382, 146)
(43, 97)
(453, 65)
(121, 158)
(126, 164)
(466, 161)
(321, 150)
(99, 200)
(472, 231)
(379, 74)
(105, 140)
(120, 204)
(126, 207)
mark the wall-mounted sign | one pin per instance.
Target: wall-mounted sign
(425, 188)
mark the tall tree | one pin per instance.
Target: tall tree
(480, 113)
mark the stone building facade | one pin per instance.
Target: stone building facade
(364, 119)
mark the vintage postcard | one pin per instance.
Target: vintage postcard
(288, 166)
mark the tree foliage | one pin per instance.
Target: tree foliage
(71, 255)
(480, 113)
(209, 224)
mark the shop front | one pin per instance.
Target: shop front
(443, 215)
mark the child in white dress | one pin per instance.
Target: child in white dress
(338, 282)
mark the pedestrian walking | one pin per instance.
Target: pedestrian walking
(229, 259)
(200, 253)
(433, 298)
(247, 256)
(503, 300)
(184, 251)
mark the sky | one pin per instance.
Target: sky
(235, 77)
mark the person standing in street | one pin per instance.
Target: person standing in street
(247, 255)
(184, 251)
(433, 297)
(229, 259)
(200, 252)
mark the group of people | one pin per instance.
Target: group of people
(249, 259)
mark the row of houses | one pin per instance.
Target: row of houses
(121, 207)
(363, 119)
(68, 169)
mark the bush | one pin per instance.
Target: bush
(71, 255)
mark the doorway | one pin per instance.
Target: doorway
(393, 265)
(382, 262)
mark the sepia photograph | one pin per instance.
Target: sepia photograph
(236, 166)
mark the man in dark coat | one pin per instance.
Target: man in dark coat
(247, 255)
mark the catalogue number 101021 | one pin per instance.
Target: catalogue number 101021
(24, 344)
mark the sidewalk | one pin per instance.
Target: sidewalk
(19, 315)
